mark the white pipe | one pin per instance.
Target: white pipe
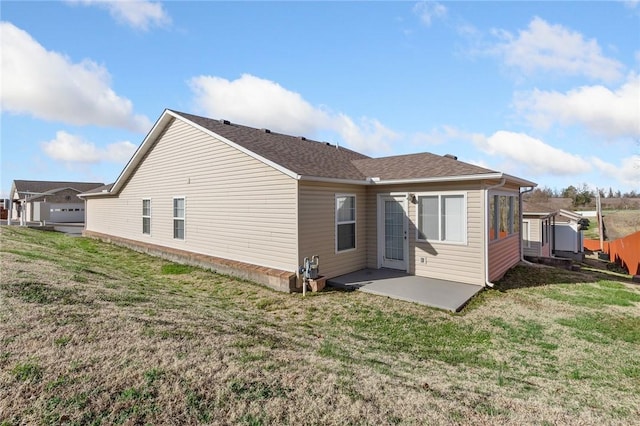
(488, 283)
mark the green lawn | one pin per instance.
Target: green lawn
(92, 333)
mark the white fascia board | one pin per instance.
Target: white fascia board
(439, 179)
(238, 147)
(146, 144)
(519, 181)
(331, 180)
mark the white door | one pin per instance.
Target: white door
(393, 232)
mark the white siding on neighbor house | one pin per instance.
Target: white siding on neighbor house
(236, 207)
(317, 227)
(535, 238)
(447, 261)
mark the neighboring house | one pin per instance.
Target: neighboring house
(548, 233)
(47, 201)
(568, 236)
(209, 191)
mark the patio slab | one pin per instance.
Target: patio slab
(442, 294)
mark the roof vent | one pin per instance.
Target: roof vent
(302, 138)
(453, 157)
(328, 144)
(266, 130)
(224, 121)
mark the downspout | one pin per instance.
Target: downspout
(488, 283)
(520, 219)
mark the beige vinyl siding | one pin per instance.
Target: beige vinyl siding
(317, 227)
(536, 237)
(503, 255)
(236, 207)
(455, 262)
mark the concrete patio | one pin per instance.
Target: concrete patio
(448, 295)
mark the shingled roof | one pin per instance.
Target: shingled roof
(302, 158)
(34, 187)
(298, 154)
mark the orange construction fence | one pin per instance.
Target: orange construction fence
(624, 251)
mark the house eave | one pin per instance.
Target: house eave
(436, 179)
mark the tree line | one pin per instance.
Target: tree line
(584, 196)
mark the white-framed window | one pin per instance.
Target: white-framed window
(504, 215)
(442, 217)
(345, 222)
(146, 216)
(178, 217)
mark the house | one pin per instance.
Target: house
(537, 222)
(255, 203)
(548, 233)
(50, 201)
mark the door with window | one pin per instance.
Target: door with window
(393, 240)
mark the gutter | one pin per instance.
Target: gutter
(488, 283)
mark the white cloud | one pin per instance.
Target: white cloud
(532, 154)
(259, 102)
(139, 14)
(49, 86)
(627, 172)
(554, 48)
(603, 111)
(441, 135)
(429, 10)
(70, 148)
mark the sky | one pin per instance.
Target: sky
(546, 91)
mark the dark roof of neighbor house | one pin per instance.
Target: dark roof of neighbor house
(311, 158)
(35, 187)
(536, 209)
(298, 154)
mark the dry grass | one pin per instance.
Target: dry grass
(621, 223)
(95, 334)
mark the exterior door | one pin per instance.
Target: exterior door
(393, 243)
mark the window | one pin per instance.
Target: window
(442, 218)
(504, 216)
(178, 218)
(345, 222)
(146, 216)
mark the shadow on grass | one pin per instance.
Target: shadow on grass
(533, 275)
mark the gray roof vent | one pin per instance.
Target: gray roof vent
(224, 121)
(266, 130)
(453, 157)
(302, 138)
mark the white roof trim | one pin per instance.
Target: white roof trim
(168, 115)
(151, 139)
(438, 179)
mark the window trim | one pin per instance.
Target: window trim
(513, 223)
(440, 194)
(183, 218)
(354, 222)
(147, 216)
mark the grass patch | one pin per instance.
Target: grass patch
(27, 372)
(35, 292)
(596, 295)
(113, 336)
(176, 269)
(604, 328)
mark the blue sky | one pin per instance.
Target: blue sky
(547, 91)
